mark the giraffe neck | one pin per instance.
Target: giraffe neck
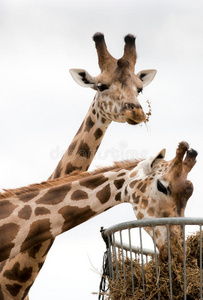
(78, 156)
(40, 215)
(84, 145)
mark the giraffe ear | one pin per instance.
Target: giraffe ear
(146, 76)
(158, 158)
(83, 78)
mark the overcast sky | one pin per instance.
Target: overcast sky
(41, 107)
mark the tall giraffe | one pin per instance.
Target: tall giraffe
(117, 88)
(154, 187)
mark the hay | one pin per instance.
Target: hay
(149, 113)
(193, 246)
(120, 289)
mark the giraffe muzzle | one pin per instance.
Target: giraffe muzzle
(133, 113)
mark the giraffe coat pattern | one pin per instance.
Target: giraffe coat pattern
(117, 88)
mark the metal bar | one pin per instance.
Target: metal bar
(154, 222)
(200, 245)
(169, 263)
(123, 263)
(115, 257)
(156, 260)
(131, 262)
(135, 249)
(143, 280)
(110, 258)
(184, 262)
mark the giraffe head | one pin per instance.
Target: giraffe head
(117, 86)
(160, 189)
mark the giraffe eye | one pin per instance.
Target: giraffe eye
(102, 87)
(161, 187)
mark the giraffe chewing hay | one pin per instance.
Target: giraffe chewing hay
(117, 88)
(154, 187)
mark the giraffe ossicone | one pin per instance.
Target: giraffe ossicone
(154, 187)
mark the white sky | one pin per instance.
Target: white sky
(41, 107)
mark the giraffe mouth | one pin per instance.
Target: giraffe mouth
(131, 122)
(132, 117)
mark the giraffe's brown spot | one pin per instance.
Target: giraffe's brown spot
(104, 194)
(47, 247)
(34, 250)
(144, 203)
(133, 183)
(16, 274)
(119, 183)
(13, 289)
(55, 195)
(93, 182)
(6, 209)
(165, 214)
(139, 185)
(84, 150)
(70, 168)
(136, 199)
(151, 211)
(57, 172)
(79, 195)
(40, 248)
(110, 105)
(104, 103)
(97, 148)
(88, 124)
(40, 265)
(103, 120)
(118, 197)
(140, 216)
(28, 196)
(39, 231)
(41, 211)
(87, 167)
(126, 191)
(98, 134)
(71, 148)
(7, 234)
(1, 294)
(74, 216)
(80, 129)
(133, 174)
(25, 212)
(94, 111)
(26, 291)
(121, 174)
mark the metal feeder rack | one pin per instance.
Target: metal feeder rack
(114, 237)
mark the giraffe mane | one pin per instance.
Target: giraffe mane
(75, 175)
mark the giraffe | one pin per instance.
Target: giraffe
(154, 187)
(116, 100)
(117, 88)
